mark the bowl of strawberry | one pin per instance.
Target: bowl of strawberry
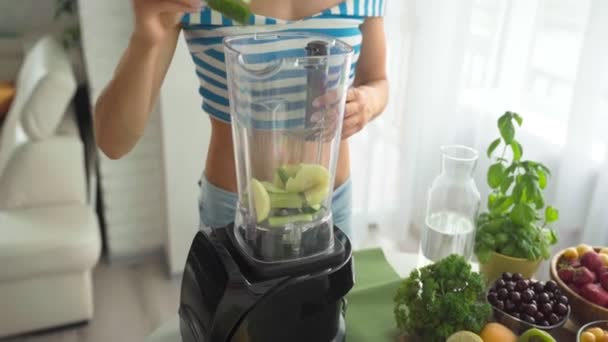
(522, 304)
(582, 275)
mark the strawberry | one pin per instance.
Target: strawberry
(566, 274)
(604, 281)
(595, 293)
(583, 275)
(592, 261)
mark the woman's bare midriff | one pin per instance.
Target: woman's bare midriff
(220, 168)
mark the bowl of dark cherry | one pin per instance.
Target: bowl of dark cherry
(521, 303)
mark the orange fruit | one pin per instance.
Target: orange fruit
(597, 332)
(588, 337)
(582, 249)
(604, 258)
(571, 253)
(496, 332)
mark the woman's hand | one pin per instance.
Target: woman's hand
(155, 19)
(358, 111)
(360, 108)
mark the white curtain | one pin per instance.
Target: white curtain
(454, 67)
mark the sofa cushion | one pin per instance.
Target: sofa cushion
(48, 240)
(45, 88)
(45, 109)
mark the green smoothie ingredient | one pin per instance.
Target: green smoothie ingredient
(237, 10)
(295, 195)
(286, 200)
(438, 300)
(536, 335)
(273, 188)
(261, 199)
(278, 221)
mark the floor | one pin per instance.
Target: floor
(143, 293)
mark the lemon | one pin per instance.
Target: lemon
(464, 336)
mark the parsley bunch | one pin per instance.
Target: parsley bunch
(513, 224)
(440, 299)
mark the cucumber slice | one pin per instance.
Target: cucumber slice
(234, 9)
(308, 176)
(273, 188)
(317, 194)
(311, 209)
(261, 200)
(286, 200)
(278, 221)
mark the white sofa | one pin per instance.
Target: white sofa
(49, 233)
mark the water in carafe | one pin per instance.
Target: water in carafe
(452, 207)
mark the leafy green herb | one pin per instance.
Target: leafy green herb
(437, 300)
(513, 224)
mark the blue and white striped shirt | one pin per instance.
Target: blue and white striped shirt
(205, 31)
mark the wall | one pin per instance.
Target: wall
(186, 133)
(132, 187)
(151, 194)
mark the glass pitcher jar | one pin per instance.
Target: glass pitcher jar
(452, 207)
(287, 108)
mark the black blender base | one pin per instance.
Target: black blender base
(225, 298)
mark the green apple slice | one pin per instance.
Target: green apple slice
(261, 200)
(317, 194)
(307, 177)
(271, 188)
(278, 221)
(291, 170)
(286, 200)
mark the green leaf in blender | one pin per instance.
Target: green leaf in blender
(237, 10)
(272, 188)
(286, 200)
(282, 176)
(261, 200)
(277, 181)
(278, 221)
(307, 177)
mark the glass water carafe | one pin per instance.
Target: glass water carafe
(287, 96)
(452, 207)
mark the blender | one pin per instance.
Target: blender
(281, 270)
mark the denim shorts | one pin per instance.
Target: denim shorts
(217, 207)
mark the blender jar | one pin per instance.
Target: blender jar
(287, 94)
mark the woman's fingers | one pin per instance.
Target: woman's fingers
(328, 99)
(352, 125)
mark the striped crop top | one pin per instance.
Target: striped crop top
(204, 32)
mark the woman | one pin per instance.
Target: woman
(124, 106)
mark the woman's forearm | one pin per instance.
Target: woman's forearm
(123, 108)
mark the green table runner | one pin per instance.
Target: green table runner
(369, 316)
